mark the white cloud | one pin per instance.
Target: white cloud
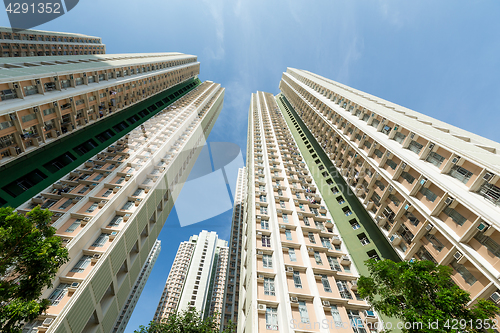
(216, 9)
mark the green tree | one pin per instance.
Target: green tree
(423, 292)
(30, 256)
(188, 321)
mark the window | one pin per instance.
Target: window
(282, 204)
(128, 205)
(343, 289)
(264, 224)
(267, 261)
(115, 221)
(460, 173)
(263, 210)
(304, 316)
(354, 224)
(58, 293)
(464, 272)
(81, 264)
(263, 198)
(336, 316)
(334, 264)
(363, 239)
(92, 208)
(326, 242)
(378, 153)
(394, 200)
(415, 147)
(107, 193)
(66, 204)
(296, 280)
(306, 221)
(29, 117)
(490, 244)
(269, 286)
(317, 257)
(74, 225)
(272, 319)
(428, 194)
(356, 322)
(291, 254)
(266, 241)
(406, 176)
(288, 234)
(285, 218)
(435, 242)
(435, 158)
(98, 177)
(46, 112)
(311, 238)
(399, 137)
(326, 283)
(83, 190)
(455, 216)
(391, 164)
(101, 240)
(413, 220)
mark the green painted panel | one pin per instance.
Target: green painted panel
(110, 317)
(131, 234)
(123, 292)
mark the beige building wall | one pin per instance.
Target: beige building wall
(433, 189)
(110, 210)
(296, 273)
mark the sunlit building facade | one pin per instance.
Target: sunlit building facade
(297, 274)
(196, 279)
(232, 283)
(430, 188)
(109, 211)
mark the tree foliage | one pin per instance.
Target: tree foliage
(188, 321)
(30, 256)
(423, 292)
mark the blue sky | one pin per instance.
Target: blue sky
(440, 58)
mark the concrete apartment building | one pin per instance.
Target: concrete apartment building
(135, 293)
(196, 278)
(427, 188)
(232, 283)
(296, 270)
(128, 129)
(35, 43)
(110, 210)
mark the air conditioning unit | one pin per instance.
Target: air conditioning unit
(127, 177)
(138, 201)
(455, 159)
(74, 286)
(412, 135)
(114, 233)
(16, 86)
(448, 201)
(289, 269)
(57, 215)
(395, 240)
(116, 189)
(488, 176)
(283, 227)
(345, 259)
(370, 314)
(495, 297)
(390, 188)
(458, 256)
(259, 253)
(403, 166)
(86, 219)
(407, 206)
(326, 303)
(96, 256)
(47, 321)
(259, 234)
(260, 276)
(261, 308)
(310, 249)
(431, 146)
(430, 228)
(259, 217)
(294, 299)
(423, 182)
(102, 203)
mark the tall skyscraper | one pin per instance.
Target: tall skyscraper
(296, 272)
(232, 283)
(427, 188)
(138, 286)
(111, 194)
(34, 43)
(196, 278)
